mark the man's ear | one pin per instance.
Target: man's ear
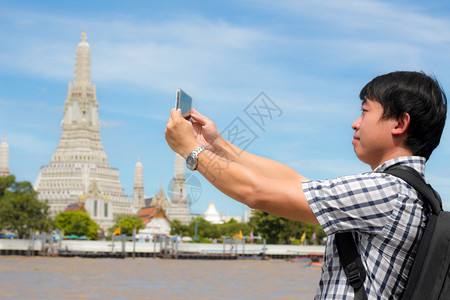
(402, 124)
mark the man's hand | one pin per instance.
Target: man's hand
(179, 134)
(205, 131)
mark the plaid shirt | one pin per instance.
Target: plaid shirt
(386, 218)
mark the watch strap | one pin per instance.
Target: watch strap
(197, 150)
(195, 154)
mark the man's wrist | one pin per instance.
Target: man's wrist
(189, 150)
(192, 158)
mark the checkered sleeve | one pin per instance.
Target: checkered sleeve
(351, 203)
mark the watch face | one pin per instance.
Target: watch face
(190, 162)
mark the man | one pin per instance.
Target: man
(402, 119)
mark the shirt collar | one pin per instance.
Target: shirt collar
(415, 162)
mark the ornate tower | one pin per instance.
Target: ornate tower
(179, 208)
(138, 189)
(161, 200)
(79, 170)
(4, 158)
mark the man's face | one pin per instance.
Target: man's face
(373, 140)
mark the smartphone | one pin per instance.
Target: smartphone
(184, 101)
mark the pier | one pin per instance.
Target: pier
(164, 247)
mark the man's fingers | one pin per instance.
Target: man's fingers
(175, 113)
(199, 117)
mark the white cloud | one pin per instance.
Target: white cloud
(378, 18)
(158, 55)
(206, 55)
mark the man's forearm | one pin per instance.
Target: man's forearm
(230, 177)
(280, 196)
(262, 165)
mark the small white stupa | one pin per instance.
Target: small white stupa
(212, 215)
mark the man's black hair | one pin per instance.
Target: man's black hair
(420, 96)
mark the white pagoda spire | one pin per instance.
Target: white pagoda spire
(179, 208)
(79, 170)
(81, 124)
(138, 189)
(83, 63)
(4, 158)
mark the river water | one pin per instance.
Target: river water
(147, 278)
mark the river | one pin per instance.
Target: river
(24, 277)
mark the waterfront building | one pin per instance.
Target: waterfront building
(76, 207)
(79, 170)
(4, 158)
(155, 220)
(179, 206)
(212, 215)
(138, 188)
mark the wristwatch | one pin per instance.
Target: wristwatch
(191, 159)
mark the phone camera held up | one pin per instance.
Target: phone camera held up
(184, 102)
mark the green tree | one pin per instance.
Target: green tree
(205, 229)
(20, 210)
(270, 227)
(310, 229)
(278, 230)
(127, 223)
(78, 223)
(6, 183)
(177, 228)
(232, 227)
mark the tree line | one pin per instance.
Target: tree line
(274, 229)
(21, 211)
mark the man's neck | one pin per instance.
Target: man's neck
(397, 152)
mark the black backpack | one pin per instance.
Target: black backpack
(430, 273)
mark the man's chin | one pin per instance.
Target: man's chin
(359, 155)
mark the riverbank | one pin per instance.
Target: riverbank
(79, 278)
(163, 248)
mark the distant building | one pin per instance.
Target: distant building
(179, 207)
(4, 158)
(212, 215)
(155, 220)
(79, 170)
(160, 200)
(76, 207)
(138, 189)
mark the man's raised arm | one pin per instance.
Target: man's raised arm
(282, 196)
(206, 134)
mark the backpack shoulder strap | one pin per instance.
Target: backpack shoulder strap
(413, 178)
(352, 264)
(345, 243)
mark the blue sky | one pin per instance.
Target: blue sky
(311, 58)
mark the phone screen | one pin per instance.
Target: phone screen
(184, 102)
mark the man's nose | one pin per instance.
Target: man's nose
(355, 125)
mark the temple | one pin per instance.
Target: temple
(4, 158)
(138, 188)
(79, 171)
(212, 215)
(179, 207)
